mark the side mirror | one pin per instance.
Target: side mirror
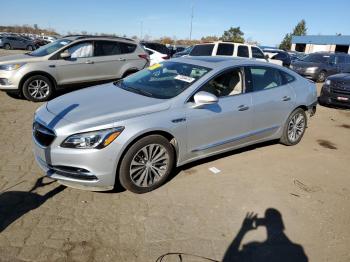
(267, 57)
(65, 55)
(204, 98)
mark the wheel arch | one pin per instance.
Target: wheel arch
(130, 71)
(170, 137)
(34, 73)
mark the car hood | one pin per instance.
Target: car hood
(303, 64)
(103, 104)
(345, 77)
(21, 58)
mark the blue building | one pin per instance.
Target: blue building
(319, 43)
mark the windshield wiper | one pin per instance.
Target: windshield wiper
(132, 89)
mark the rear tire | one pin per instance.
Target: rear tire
(30, 48)
(7, 46)
(147, 164)
(294, 128)
(321, 76)
(38, 88)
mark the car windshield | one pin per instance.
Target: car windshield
(163, 81)
(315, 58)
(50, 48)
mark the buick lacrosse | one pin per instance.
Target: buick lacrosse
(138, 129)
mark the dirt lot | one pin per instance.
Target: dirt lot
(197, 212)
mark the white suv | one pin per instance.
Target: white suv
(221, 48)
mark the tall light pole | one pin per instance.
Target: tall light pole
(141, 30)
(191, 23)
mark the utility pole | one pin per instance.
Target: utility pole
(141, 30)
(191, 23)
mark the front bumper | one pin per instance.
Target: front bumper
(9, 80)
(328, 96)
(303, 72)
(89, 169)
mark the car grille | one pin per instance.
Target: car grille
(43, 135)
(341, 88)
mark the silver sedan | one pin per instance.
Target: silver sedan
(136, 130)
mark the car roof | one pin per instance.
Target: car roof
(218, 61)
(94, 37)
(224, 42)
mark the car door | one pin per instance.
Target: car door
(225, 124)
(79, 67)
(342, 66)
(14, 42)
(109, 59)
(273, 99)
(333, 65)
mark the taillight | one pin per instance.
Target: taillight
(145, 56)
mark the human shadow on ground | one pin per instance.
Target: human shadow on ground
(15, 204)
(276, 248)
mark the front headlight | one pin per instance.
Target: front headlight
(327, 83)
(95, 139)
(311, 69)
(10, 67)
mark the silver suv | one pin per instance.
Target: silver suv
(70, 60)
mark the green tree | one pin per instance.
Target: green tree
(299, 29)
(209, 38)
(286, 42)
(234, 34)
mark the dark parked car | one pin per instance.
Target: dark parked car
(17, 42)
(294, 55)
(157, 47)
(184, 52)
(317, 66)
(277, 54)
(336, 91)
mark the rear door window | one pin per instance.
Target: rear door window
(243, 51)
(202, 50)
(225, 49)
(107, 48)
(264, 78)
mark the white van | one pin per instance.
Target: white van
(221, 48)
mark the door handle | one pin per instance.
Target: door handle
(121, 59)
(286, 98)
(243, 108)
(89, 62)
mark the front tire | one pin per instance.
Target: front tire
(294, 128)
(7, 46)
(30, 48)
(38, 88)
(147, 164)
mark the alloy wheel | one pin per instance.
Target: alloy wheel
(149, 165)
(296, 127)
(38, 89)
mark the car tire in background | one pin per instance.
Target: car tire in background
(7, 46)
(147, 164)
(321, 77)
(38, 88)
(30, 48)
(294, 128)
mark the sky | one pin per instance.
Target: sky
(264, 21)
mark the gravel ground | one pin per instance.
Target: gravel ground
(197, 212)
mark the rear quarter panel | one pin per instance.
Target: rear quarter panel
(305, 91)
